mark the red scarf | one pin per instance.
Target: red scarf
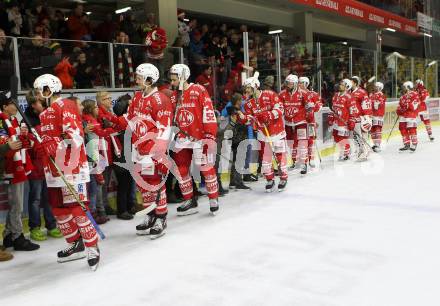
(18, 164)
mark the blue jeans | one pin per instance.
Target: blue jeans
(37, 199)
(95, 197)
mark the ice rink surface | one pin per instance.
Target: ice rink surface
(353, 234)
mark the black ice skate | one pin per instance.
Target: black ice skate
(159, 227)
(74, 251)
(413, 148)
(303, 169)
(213, 206)
(404, 148)
(93, 255)
(188, 207)
(431, 138)
(145, 227)
(293, 166)
(270, 186)
(282, 185)
(376, 149)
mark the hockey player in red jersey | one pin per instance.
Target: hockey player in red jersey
(63, 139)
(149, 117)
(423, 110)
(313, 105)
(196, 136)
(293, 101)
(407, 111)
(264, 110)
(341, 121)
(362, 111)
(378, 101)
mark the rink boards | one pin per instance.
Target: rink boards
(325, 141)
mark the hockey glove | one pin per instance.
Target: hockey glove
(366, 123)
(49, 146)
(351, 124)
(265, 117)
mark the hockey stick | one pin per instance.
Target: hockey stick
(60, 173)
(354, 132)
(271, 146)
(392, 129)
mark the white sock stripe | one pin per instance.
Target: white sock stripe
(69, 217)
(95, 237)
(83, 224)
(71, 235)
(210, 181)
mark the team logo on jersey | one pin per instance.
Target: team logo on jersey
(186, 118)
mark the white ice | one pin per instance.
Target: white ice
(351, 235)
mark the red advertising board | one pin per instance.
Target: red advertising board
(365, 13)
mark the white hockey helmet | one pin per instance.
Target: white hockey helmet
(50, 81)
(148, 71)
(181, 70)
(305, 81)
(252, 82)
(292, 78)
(419, 82)
(347, 83)
(379, 86)
(408, 85)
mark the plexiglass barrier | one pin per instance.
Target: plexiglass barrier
(88, 65)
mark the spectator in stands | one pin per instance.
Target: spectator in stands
(4, 149)
(125, 197)
(96, 157)
(184, 29)
(156, 42)
(123, 55)
(64, 70)
(77, 23)
(107, 119)
(236, 46)
(15, 18)
(106, 30)
(128, 26)
(42, 28)
(213, 48)
(37, 197)
(196, 45)
(299, 47)
(205, 79)
(6, 61)
(31, 54)
(35, 15)
(59, 25)
(84, 72)
(16, 168)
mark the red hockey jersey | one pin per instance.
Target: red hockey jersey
(423, 96)
(149, 118)
(61, 123)
(378, 100)
(313, 104)
(268, 101)
(363, 105)
(195, 116)
(294, 105)
(345, 108)
(408, 106)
